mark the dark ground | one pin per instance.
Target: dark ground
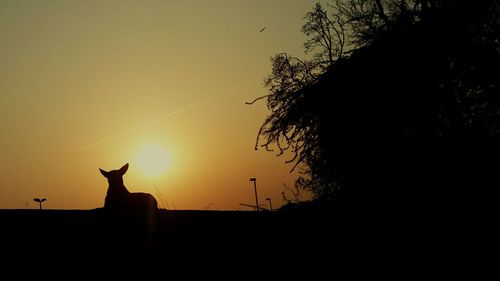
(310, 241)
(71, 232)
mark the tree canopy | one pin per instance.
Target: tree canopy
(398, 105)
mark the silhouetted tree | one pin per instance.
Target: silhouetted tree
(404, 112)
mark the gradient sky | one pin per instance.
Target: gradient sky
(85, 84)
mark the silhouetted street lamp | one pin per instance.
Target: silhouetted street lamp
(40, 200)
(270, 205)
(255, 189)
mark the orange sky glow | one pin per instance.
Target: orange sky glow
(160, 85)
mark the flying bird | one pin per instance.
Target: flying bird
(262, 29)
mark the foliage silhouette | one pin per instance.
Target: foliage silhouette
(398, 107)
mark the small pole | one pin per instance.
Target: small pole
(39, 201)
(270, 204)
(255, 189)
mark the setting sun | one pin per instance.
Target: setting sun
(152, 160)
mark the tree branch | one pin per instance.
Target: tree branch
(381, 12)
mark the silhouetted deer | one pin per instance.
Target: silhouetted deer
(120, 200)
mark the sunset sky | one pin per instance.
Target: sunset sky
(96, 84)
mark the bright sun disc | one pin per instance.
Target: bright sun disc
(152, 160)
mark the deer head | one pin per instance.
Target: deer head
(115, 177)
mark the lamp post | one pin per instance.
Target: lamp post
(255, 189)
(270, 204)
(39, 200)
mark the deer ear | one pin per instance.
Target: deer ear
(104, 173)
(124, 169)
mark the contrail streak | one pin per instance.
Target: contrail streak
(149, 122)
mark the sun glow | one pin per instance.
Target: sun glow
(152, 160)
